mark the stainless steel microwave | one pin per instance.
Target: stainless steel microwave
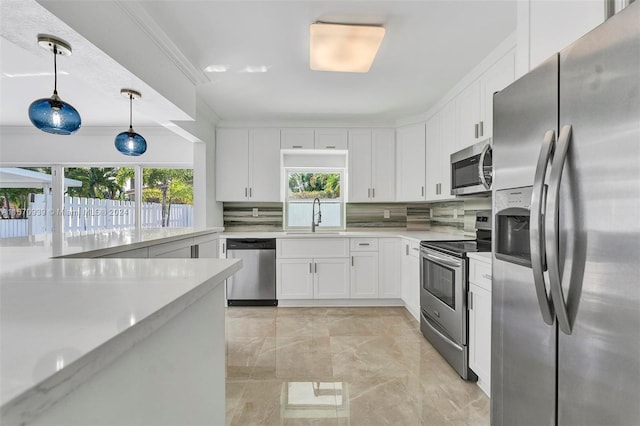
(472, 169)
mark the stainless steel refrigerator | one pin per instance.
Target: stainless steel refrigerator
(566, 255)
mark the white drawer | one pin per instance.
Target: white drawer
(299, 248)
(364, 244)
(480, 274)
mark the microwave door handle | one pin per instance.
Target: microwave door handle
(536, 227)
(552, 234)
(483, 179)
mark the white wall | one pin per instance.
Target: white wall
(207, 212)
(91, 146)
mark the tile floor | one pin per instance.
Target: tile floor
(341, 366)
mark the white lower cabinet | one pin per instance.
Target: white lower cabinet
(180, 249)
(480, 322)
(410, 282)
(389, 268)
(294, 279)
(207, 246)
(312, 278)
(331, 278)
(364, 275)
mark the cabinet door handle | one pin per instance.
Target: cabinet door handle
(415, 248)
(373, 192)
(352, 261)
(422, 191)
(330, 147)
(363, 244)
(368, 192)
(487, 276)
(224, 248)
(406, 246)
(310, 268)
(315, 267)
(481, 128)
(250, 192)
(477, 130)
(296, 146)
(245, 192)
(470, 300)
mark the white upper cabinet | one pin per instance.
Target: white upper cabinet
(468, 115)
(330, 139)
(441, 143)
(383, 165)
(297, 138)
(232, 164)
(371, 165)
(499, 76)
(264, 165)
(248, 165)
(411, 163)
(474, 104)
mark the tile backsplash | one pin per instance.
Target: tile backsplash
(457, 216)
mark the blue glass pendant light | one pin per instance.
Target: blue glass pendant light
(53, 115)
(130, 142)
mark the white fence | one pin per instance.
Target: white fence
(91, 214)
(14, 228)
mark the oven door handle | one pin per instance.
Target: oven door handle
(441, 260)
(444, 337)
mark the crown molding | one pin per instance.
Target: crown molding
(141, 17)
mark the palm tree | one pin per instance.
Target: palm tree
(97, 182)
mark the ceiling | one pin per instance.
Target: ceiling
(428, 47)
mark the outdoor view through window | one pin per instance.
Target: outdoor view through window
(95, 199)
(303, 187)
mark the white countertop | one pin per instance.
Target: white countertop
(56, 314)
(481, 256)
(413, 235)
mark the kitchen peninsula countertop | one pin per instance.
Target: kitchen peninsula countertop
(62, 320)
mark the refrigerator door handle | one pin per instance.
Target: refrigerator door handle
(552, 229)
(536, 227)
(483, 179)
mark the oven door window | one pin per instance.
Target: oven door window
(439, 281)
(466, 172)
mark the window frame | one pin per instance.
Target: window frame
(341, 200)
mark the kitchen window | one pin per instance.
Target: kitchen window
(303, 185)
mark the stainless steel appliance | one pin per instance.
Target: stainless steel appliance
(443, 294)
(472, 169)
(255, 283)
(566, 263)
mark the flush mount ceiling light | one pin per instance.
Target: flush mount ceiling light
(255, 68)
(53, 115)
(342, 47)
(130, 142)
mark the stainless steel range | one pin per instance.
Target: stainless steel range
(443, 293)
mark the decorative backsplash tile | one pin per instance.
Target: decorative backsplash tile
(457, 216)
(239, 217)
(369, 216)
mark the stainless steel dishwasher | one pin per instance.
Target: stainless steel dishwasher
(255, 283)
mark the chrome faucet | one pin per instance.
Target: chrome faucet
(313, 215)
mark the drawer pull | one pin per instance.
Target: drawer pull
(297, 146)
(487, 276)
(415, 248)
(363, 244)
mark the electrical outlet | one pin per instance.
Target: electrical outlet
(386, 214)
(255, 212)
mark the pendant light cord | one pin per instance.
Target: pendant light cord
(130, 112)
(55, 70)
